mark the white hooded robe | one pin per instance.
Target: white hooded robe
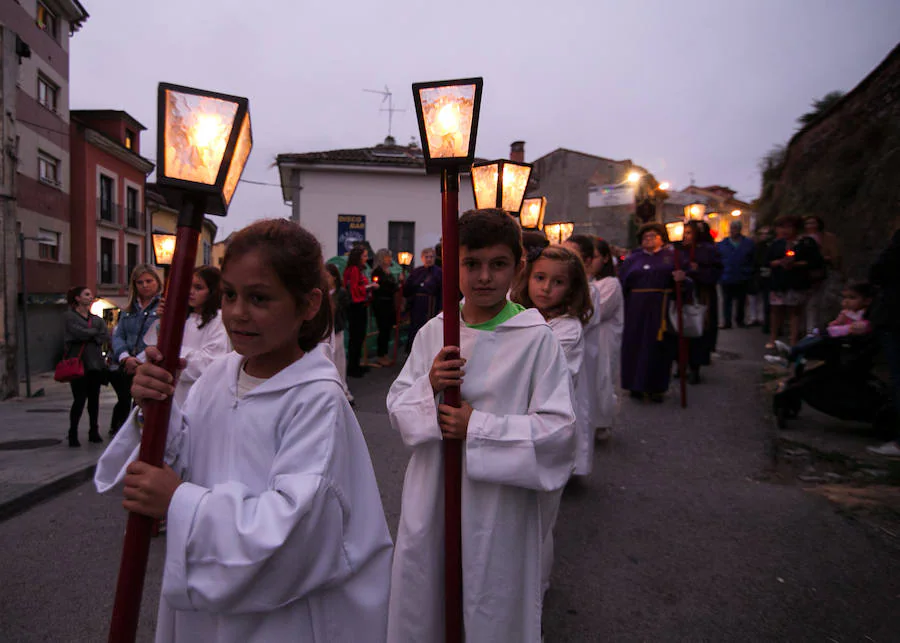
(517, 457)
(608, 337)
(278, 532)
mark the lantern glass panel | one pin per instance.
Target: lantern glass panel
(447, 114)
(239, 160)
(694, 211)
(552, 232)
(484, 181)
(164, 249)
(565, 231)
(404, 258)
(675, 231)
(515, 181)
(197, 129)
(532, 215)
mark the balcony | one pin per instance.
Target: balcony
(134, 220)
(110, 213)
(110, 274)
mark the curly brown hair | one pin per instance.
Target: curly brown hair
(295, 256)
(577, 301)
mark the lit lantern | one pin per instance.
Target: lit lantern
(735, 213)
(559, 232)
(500, 184)
(675, 231)
(447, 112)
(163, 248)
(532, 214)
(205, 142)
(694, 211)
(404, 258)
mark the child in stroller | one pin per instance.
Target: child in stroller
(843, 386)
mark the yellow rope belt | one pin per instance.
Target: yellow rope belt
(662, 324)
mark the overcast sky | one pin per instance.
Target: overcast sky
(687, 87)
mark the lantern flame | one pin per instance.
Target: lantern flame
(448, 112)
(197, 129)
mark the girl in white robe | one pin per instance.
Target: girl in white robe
(205, 338)
(609, 336)
(276, 530)
(556, 284)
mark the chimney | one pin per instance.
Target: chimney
(517, 151)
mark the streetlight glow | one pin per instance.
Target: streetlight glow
(634, 177)
(665, 185)
(735, 213)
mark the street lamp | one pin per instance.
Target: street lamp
(204, 140)
(665, 185)
(736, 213)
(634, 177)
(559, 232)
(447, 112)
(532, 214)
(500, 184)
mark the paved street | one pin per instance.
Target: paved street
(676, 537)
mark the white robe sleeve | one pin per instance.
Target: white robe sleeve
(571, 337)
(213, 343)
(610, 298)
(534, 451)
(411, 402)
(229, 551)
(124, 448)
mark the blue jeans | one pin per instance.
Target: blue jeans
(891, 342)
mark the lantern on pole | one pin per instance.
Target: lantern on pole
(204, 140)
(559, 232)
(675, 231)
(163, 248)
(447, 112)
(532, 214)
(694, 211)
(405, 259)
(500, 184)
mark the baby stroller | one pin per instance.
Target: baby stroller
(841, 384)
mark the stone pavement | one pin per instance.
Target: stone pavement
(35, 459)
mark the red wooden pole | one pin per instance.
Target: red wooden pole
(133, 568)
(682, 343)
(453, 611)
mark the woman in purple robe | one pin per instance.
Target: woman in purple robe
(422, 290)
(703, 264)
(648, 279)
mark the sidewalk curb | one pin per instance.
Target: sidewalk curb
(46, 491)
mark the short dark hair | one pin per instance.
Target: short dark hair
(789, 221)
(658, 228)
(295, 256)
(862, 288)
(609, 268)
(212, 277)
(335, 273)
(72, 293)
(819, 221)
(355, 256)
(479, 229)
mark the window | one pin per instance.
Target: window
(107, 187)
(48, 92)
(107, 265)
(47, 21)
(129, 139)
(401, 237)
(207, 253)
(133, 255)
(48, 245)
(48, 169)
(132, 212)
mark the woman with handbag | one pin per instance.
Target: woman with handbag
(84, 335)
(704, 268)
(648, 279)
(135, 320)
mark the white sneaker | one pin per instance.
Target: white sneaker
(889, 449)
(782, 347)
(776, 359)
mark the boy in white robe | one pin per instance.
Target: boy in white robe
(518, 425)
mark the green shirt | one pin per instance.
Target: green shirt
(509, 311)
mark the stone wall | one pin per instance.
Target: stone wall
(845, 167)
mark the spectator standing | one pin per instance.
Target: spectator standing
(144, 291)
(422, 290)
(704, 268)
(358, 286)
(84, 336)
(384, 302)
(738, 257)
(885, 316)
(827, 277)
(758, 299)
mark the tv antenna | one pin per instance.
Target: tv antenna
(388, 97)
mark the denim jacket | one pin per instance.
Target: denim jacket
(128, 338)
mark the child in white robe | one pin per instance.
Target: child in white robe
(205, 338)
(517, 424)
(276, 530)
(609, 336)
(555, 282)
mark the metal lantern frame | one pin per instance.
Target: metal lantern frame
(541, 202)
(159, 258)
(690, 214)
(675, 231)
(214, 200)
(501, 165)
(404, 258)
(436, 165)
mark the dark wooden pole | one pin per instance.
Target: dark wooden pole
(133, 568)
(453, 612)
